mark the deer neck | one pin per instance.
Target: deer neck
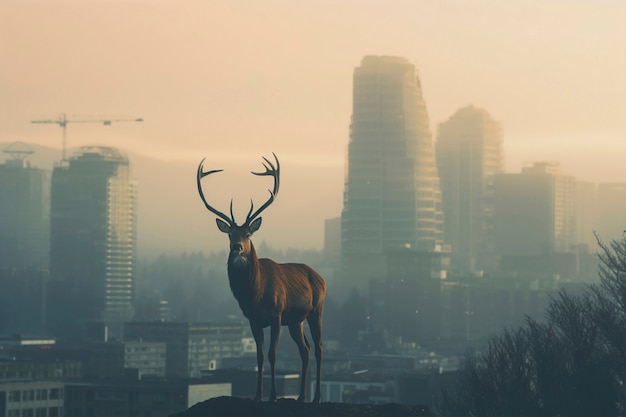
(245, 278)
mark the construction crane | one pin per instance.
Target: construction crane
(62, 121)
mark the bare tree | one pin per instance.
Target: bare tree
(572, 363)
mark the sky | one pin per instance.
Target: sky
(234, 80)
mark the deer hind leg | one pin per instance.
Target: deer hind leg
(275, 333)
(257, 332)
(315, 325)
(297, 334)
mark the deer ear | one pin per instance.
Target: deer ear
(254, 226)
(222, 225)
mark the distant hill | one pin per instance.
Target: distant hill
(172, 218)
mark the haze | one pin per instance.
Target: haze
(232, 81)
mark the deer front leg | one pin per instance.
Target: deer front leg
(275, 333)
(257, 332)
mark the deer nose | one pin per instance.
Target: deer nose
(236, 247)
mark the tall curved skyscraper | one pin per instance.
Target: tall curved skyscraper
(392, 198)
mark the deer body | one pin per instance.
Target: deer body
(272, 294)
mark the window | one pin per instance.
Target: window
(42, 394)
(28, 395)
(14, 397)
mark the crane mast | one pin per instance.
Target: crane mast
(62, 121)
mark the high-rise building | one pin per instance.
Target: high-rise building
(392, 198)
(611, 214)
(24, 214)
(586, 213)
(535, 213)
(92, 241)
(469, 155)
(24, 242)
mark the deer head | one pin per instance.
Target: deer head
(239, 235)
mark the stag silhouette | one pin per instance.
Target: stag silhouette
(271, 294)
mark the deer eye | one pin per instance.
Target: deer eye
(248, 235)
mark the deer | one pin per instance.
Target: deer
(271, 294)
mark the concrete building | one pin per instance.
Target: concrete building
(469, 155)
(124, 397)
(392, 197)
(116, 359)
(535, 215)
(611, 214)
(32, 388)
(31, 398)
(92, 239)
(191, 347)
(24, 213)
(586, 213)
(23, 300)
(406, 306)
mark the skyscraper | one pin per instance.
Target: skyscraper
(24, 212)
(392, 198)
(469, 155)
(92, 241)
(24, 242)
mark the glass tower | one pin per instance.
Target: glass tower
(92, 241)
(392, 198)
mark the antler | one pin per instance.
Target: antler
(202, 174)
(270, 170)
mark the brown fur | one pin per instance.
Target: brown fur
(274, 295)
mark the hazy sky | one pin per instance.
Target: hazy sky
(240, 79)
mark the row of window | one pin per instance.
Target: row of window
(36, 412)
(34, 395)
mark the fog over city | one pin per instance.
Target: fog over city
(235, 81)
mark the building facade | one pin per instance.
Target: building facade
(535, 214)
(190, 347)
(611, 211)
(392, 198)
(92, 241)
(469, 155)
(24, 215)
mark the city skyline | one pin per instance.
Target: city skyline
(209, 74)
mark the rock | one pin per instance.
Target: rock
(243, 407)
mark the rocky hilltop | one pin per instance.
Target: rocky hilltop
(240, 407)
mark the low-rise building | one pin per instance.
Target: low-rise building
(31, 398)
(124, 397)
